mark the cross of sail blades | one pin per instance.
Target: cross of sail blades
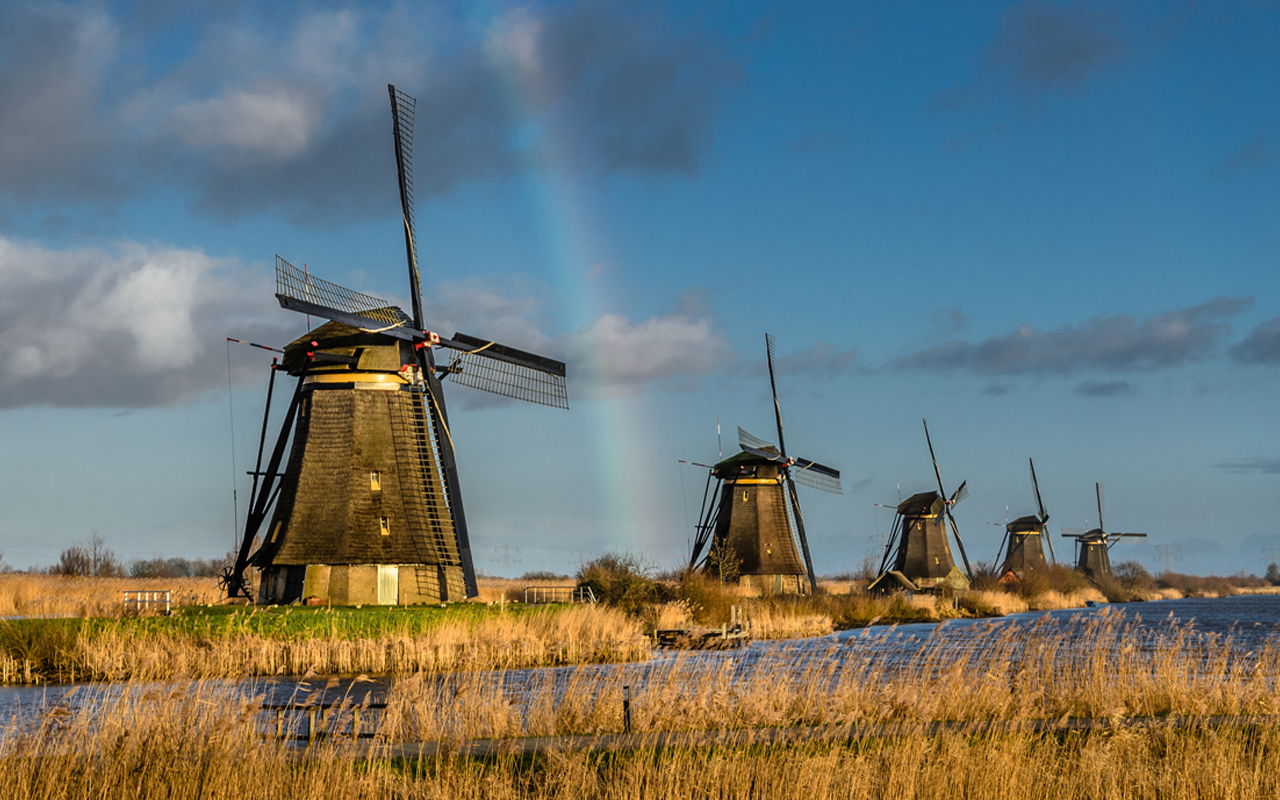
(479, 364)
(806, 472)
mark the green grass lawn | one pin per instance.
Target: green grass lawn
(285, 623)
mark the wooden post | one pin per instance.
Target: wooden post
(626, 709)
(355, 723)
(311, 726)
(279, 723)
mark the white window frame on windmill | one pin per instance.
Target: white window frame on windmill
(375, 481)
(384, 526)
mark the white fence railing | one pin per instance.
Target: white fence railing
(559, 594)
(139, 601)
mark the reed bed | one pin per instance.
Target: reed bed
(511, 590)
(160, 649)
(204, 740)
(27, 595)
(1097, 666)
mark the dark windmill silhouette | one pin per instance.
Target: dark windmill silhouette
(917, 556)
(752, 520)
(368, 507)
(1093, 548)
(1026, 537)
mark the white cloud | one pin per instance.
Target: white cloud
(276, 121)
(617, 356)
(122, 326)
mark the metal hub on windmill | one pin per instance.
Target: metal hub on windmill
(368, 507)
(753, 519)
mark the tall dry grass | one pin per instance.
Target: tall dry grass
(1099, 666)
(511, 590)
(188, 741)
(27, 595)
(121, 651)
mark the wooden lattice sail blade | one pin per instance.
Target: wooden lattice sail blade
(817, 476)
(767, 454)
(502, 370)
(308, 294)
(746, 440)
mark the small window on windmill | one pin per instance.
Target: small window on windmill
(384, 525)
(375, 481)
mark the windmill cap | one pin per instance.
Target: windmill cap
(918, 505)
(1027, 523)
(377, 352)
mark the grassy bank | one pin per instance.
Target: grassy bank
(231, 642)
(188, 741)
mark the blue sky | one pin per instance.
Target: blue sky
(1051, 228)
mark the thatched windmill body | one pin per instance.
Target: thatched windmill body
(1025, 538)
(1093, 547)
(917, 556)
(368, 507)
(751, 528)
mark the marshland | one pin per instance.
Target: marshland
(211, 738)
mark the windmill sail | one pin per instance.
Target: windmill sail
(496, 368)
(307, 294)
(816, 476)
(806, 472)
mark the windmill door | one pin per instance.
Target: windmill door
(388, 584)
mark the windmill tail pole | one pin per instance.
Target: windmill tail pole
(804, 540)
(888, 545)
(955, 530)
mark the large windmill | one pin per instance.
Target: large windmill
(752, 520)
(1093, 548)
(368, 507)
(1025, 537)
(917, 556)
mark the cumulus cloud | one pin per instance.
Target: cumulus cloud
(1261, 346)
(125, 326)
(52, 133)
(290, 113)
(272, 122)
(615, 356)
(1044, 48)
(133, 325)
(1109, 343)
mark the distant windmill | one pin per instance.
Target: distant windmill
(750, 523)
(1025, 537)
(1093, 547)
(368, 507)
(917, 556)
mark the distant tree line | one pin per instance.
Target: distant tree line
(92, 558)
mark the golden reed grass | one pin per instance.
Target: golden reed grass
(1099, 666)
(26, 595)
(119, 651)
(193, 740)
